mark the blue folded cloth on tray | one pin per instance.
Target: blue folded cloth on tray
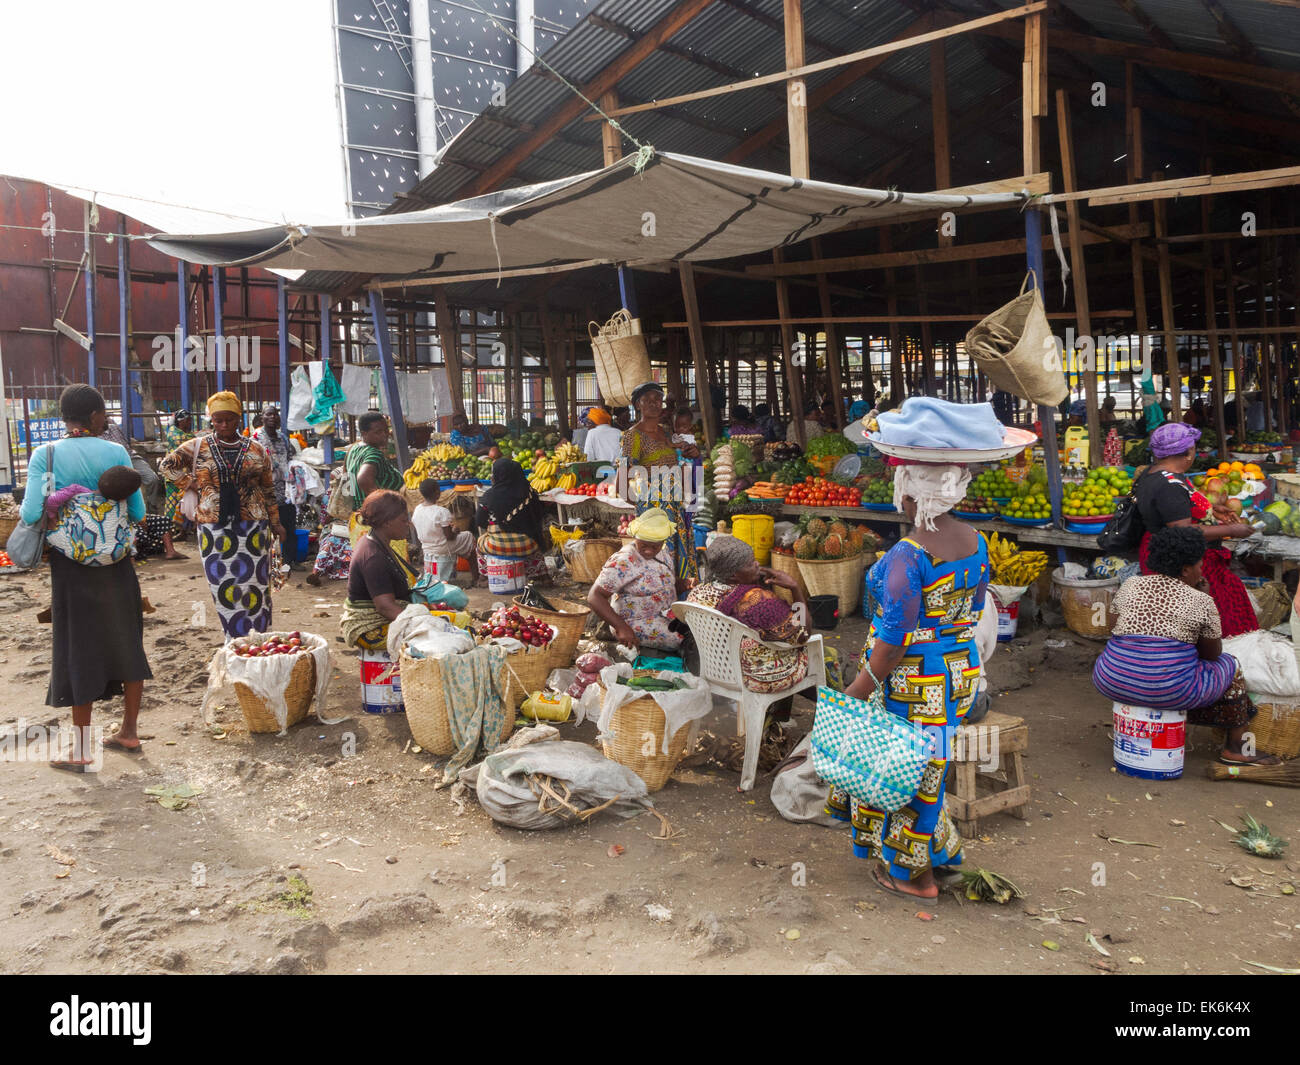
(925, 422)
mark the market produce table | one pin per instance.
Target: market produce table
(1276, 549)
(1054, 537)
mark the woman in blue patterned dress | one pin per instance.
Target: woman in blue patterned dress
(929, 593)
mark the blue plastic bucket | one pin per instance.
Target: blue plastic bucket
(304, 541)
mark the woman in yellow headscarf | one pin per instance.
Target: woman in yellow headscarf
(236, 508)
(636, 586)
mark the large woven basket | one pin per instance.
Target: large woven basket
(622, 360)
(788, 564)
(526, 672)
(586, 557)
(1276, 727)
(631, 726)
(298, 694)
(840, 577)
(568, 622)
(426, 705)
(7, 526)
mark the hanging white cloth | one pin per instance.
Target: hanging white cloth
(415, 393)
(441, 392)
(355, 383)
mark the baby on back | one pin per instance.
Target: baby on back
(116, 485)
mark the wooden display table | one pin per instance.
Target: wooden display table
(1029, 534)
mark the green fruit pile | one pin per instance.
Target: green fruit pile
(877, 490)
(993, 483)
(1029, 506)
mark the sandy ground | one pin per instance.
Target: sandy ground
(297, 858)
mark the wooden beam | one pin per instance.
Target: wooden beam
(939, 122)
(1201, 185)
(1173, 375)
(888, 48)
(449, 340)
(796, 90)
(554, 360)
(959, 253)
(793, 373)
(1239, 378)
(882, 319)
(1218, 392)
(897, 383)
(611, 140)
(574, 106)
(832, 341)
(1079, 274)
(1032, 73)
(695, 334)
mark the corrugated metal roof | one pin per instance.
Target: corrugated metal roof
(861, 127)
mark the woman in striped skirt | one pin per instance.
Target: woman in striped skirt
(1166, 650)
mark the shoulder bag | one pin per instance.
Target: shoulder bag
(1124, 531)
(189, 504)
(26, 544)
(341, 501)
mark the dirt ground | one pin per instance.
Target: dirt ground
(297, 858)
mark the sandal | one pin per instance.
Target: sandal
(880, 877)
(1259, 759)
(113, 743)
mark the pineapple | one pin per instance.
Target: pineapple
(1258, 840)
(805, 547)
(856, 539)
(818, 527)
(839, 529)
(833, 546)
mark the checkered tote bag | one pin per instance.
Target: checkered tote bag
(860, 747)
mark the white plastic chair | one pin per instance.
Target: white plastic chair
(717, 637)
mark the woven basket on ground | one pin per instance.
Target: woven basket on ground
(298, 693)
(840, 577)
(586, 557)
(526, 672)
(631, 726)
(1276, 727)
(788, 564)
(426, 705)
(7, 526)
(1088, 605)
(569, 622)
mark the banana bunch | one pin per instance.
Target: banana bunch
(444, 452)
(1014, 567)
(541, 483)
(419, 470)
(567, 453)
(546, 467)
(567, 483)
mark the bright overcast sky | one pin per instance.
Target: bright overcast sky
(225, 106)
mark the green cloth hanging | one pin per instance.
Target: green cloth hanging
(325, 397)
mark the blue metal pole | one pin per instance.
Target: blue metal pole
(218, 287)
(282, 325)
(124, 336)
(388, 375)
(1046, 415)
(327, 442)
(627, 291)
(90, 317)
(182, 332)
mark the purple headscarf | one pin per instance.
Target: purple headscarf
(1173, 438)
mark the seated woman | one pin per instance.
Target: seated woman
(513, 515)
(1166, 650)
(635, 588)
(741, 588)
(379, 581)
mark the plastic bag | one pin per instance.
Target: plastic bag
(1268, 662)
(592, 663)
(559, 679)
(300, 400)
(538, 781)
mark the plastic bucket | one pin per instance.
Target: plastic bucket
(1149, 743)
(1008, 618)
(757, 531)
(503, 574)
(304, 541)
(444, 567)
(380, 696)
(824, 611)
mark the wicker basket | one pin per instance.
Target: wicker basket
(629, 725)
(426, 705)
(1276, 728)
(568, 622)
(622, 360)
(526, 673)
(7, 526)
(586, 557)
(298, 694)
(1080, 601)
(840, 577)
(788, 564)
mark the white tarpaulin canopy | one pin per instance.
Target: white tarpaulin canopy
(678, 207)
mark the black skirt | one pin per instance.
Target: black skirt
(98, 631)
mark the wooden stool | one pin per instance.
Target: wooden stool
(1008, 736)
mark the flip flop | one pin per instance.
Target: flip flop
(1259, 759)
(113, 743)
(877, 875)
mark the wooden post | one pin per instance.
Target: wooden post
(553, 359)
(1033, 92)
(1230, 290)
(1219, 392)
(1133, 138)
(939, 122)
(927, 340)
(793, 377)
(1263, 355)
(833, 365)
(611, 142)
(796, 90)
(449, 339)
(1078, 273)
(897, 388)
(773, 394)
(690, 298)
(1282, 378)
(675, 365)
(1172, 372)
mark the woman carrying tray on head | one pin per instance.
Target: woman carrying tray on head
(646, 444)
(1166, 498)
(929, 590)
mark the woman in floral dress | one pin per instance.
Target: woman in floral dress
(636, 586)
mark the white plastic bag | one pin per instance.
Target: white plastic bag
(1268, 662)
(300, 400)
(680, 707)
(419, 631)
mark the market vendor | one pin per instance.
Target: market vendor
(1165, 497)
(1166, 649)
(473, 439)
(636, 586)
(379, 580)
(603, 443)
(514, 517)
(646, 444)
